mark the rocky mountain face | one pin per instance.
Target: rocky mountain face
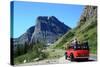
(47, 29)
(88, 13)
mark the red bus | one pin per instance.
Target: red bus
(77, 52)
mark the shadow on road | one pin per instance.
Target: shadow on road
(83, 60)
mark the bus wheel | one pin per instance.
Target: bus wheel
(71, 57)
(66, 56)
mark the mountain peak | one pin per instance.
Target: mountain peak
(46, 17)
(47, 29)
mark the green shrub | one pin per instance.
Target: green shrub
(35, 52)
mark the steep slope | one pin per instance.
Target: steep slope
(85, 29)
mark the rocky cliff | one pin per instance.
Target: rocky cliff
(88, 13)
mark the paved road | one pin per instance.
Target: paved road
(61, 60)
(91, 58)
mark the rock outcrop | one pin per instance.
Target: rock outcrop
(88, 13)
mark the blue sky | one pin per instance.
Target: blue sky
(25, 14)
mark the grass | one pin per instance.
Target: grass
(54, 53)
(29, 57)
(48, 54)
